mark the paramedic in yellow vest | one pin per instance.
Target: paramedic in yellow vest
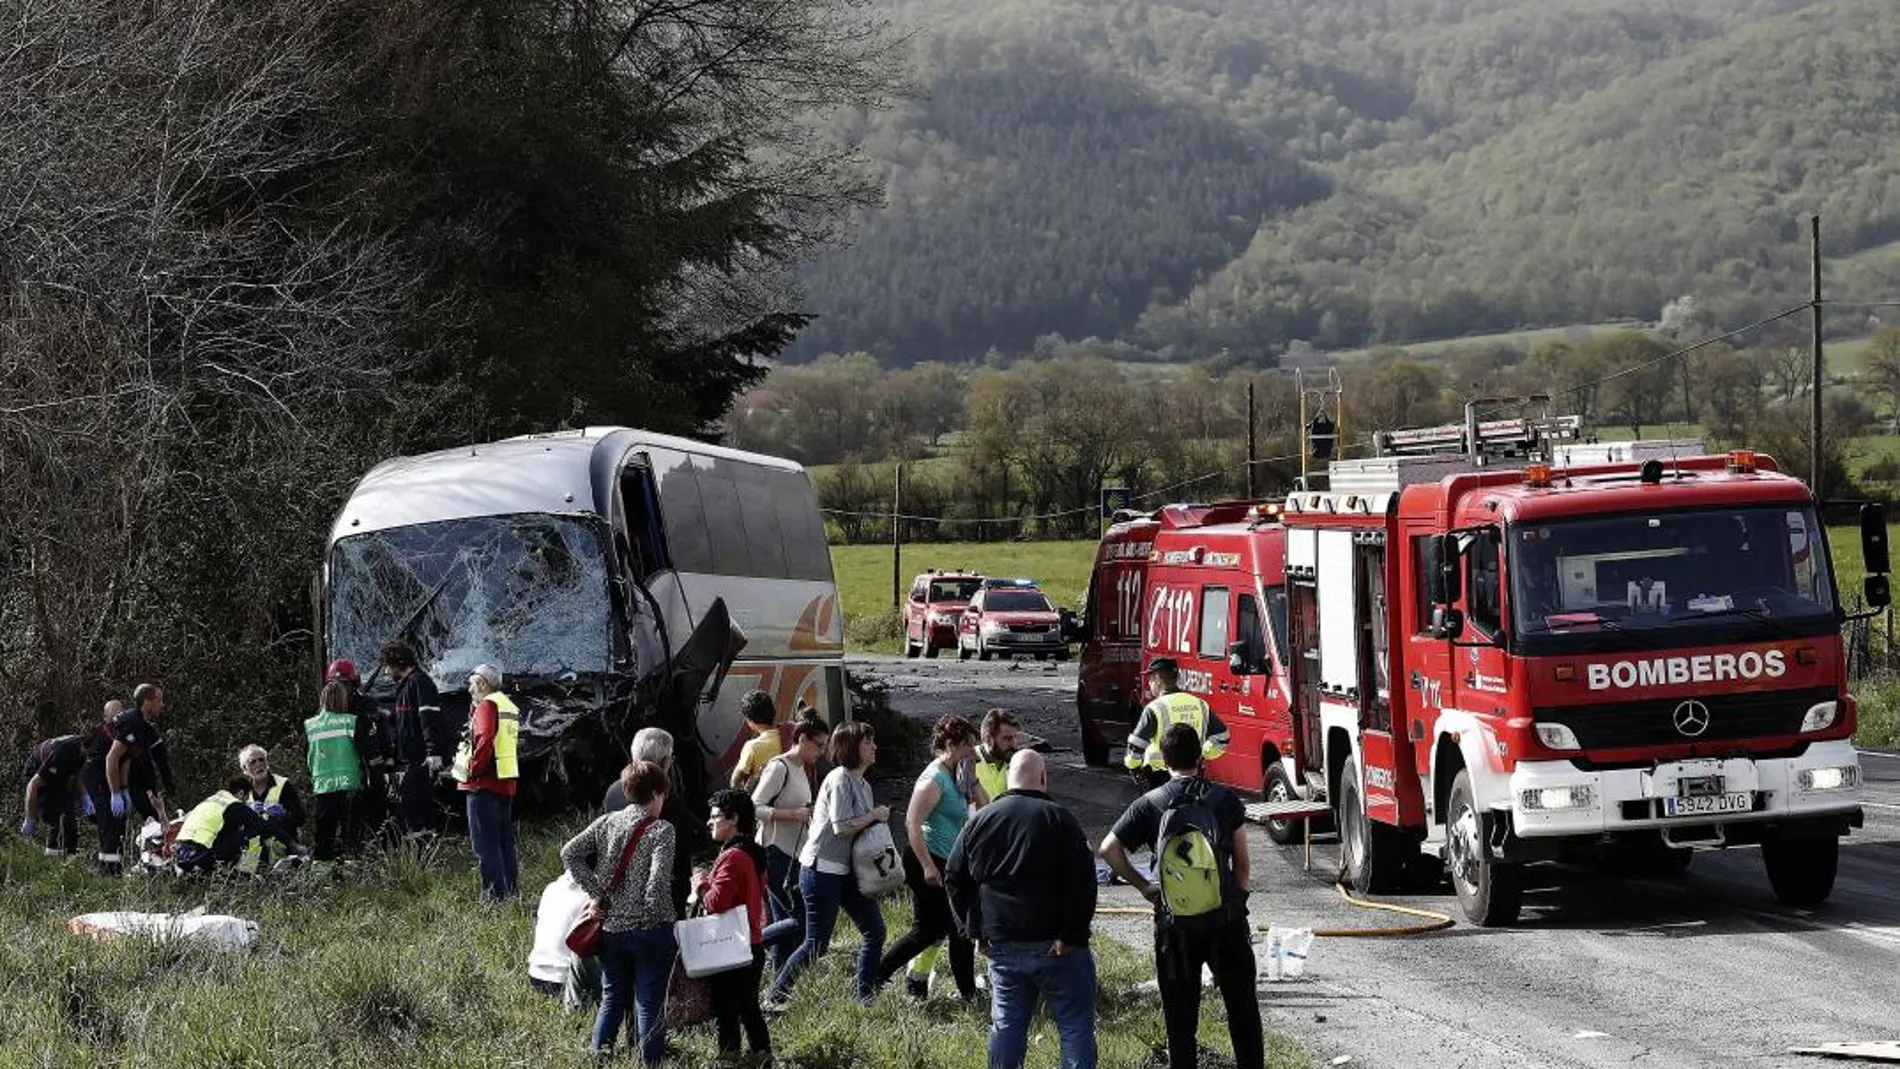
(486, 767)
(1170, 706)
(275, 799)
(336, 767)
(1000, 733)
(217, 830)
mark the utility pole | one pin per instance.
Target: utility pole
(1252, 453)
(897, 539)
(1820, 362)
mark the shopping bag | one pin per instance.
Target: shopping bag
(715, 943)
(875, 860)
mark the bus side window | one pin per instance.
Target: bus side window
(680, 512)
(641, 548)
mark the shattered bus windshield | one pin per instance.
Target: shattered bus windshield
(1705, 575)
(528, 593)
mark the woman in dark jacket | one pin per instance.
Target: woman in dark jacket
(738, 879)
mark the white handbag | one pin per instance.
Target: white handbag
(876, 862)
(715, 943)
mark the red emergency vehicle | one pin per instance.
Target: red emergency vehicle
(1497, 663)
(1008, 617)
(1204, 585)
(937, 600)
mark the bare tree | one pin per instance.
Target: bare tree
(194, 356)
(1883, 369)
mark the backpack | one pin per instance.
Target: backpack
(1189, 861)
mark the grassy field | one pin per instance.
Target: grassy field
(1521, 340)
(401, 967)
(864, 577)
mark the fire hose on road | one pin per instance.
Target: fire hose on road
(1434, 920)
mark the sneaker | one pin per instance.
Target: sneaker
(917, 987)
(775, 1004)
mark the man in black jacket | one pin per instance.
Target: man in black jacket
(1022, 883)
(423, 743)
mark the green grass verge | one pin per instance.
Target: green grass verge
(864, 577)
(400, 966)
(1878, 702)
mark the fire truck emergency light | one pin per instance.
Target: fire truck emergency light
(1741, 461)
(1537, 475)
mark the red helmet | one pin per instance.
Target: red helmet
(342, 669)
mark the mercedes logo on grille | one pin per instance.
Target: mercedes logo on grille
(1692, 718)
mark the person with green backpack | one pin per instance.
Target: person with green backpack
(1199, 894)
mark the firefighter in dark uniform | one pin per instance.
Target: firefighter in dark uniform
(423, 744)
(53, 794)
(128, 771)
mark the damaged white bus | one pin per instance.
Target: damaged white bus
(619, 578)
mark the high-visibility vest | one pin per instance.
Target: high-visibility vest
(507, 742)
(334, 763)
(992, 777)
(1174, 707)
(206, 820)
(253, 856)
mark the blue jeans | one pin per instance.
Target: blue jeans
(1019, 972)
(825, 894)
(491, 834)
(634, 969)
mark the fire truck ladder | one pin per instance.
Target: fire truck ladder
(1479, 441)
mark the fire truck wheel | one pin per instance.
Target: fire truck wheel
(931, 649)
(1489, 891)
(1802, 870)
(1062, 655)
(1279, 789)
(963, 652)
(910, 648)
(982, 651)
(1094, 750)
(1372, 854)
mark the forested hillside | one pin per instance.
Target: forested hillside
(1183, 176)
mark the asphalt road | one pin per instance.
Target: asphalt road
(1705, 969)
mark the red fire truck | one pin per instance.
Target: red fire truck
(1497, 663)
(1202, 584)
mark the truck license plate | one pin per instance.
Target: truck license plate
(1740, 802)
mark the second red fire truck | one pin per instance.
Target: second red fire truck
(1493, 662)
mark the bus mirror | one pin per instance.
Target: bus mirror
(1873, 538)
(1874, 590)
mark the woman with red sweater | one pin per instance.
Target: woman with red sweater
(738, 879)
